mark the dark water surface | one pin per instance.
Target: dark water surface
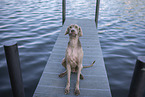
(35, 24)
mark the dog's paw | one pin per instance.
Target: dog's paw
(61, 75)
(81, 77)
(66, 91)
(77, 92)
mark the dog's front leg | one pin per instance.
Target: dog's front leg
(77, 91)
(68, 79)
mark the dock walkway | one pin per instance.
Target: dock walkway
(95, 83)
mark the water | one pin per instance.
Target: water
(35, 24)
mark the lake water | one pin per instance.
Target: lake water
(35, 25)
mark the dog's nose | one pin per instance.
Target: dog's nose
(72, 30)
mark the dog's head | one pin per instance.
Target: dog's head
(74, 30)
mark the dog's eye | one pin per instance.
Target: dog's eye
(70, 27)
(76, 27)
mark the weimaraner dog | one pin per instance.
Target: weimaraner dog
(73, 57)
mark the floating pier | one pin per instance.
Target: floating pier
(95, 82)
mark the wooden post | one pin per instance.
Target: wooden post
(13, 63)
(137, 86)
(97, 12)
(63, 11)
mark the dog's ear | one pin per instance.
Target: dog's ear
(80, 32)
(67, 31)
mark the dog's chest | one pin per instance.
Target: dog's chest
(72, 57)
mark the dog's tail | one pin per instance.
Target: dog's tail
(89, 65)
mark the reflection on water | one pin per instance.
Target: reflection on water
(35, 24)
(121, 31)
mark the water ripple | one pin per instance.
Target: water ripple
(35, 25)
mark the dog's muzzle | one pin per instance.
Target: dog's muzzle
(72, 33)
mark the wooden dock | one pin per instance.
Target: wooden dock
(95, 83)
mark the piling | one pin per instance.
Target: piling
(63, 10)
(97, 12)
(137, 86)
(13, 63)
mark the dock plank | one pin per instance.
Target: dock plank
(95, 83)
